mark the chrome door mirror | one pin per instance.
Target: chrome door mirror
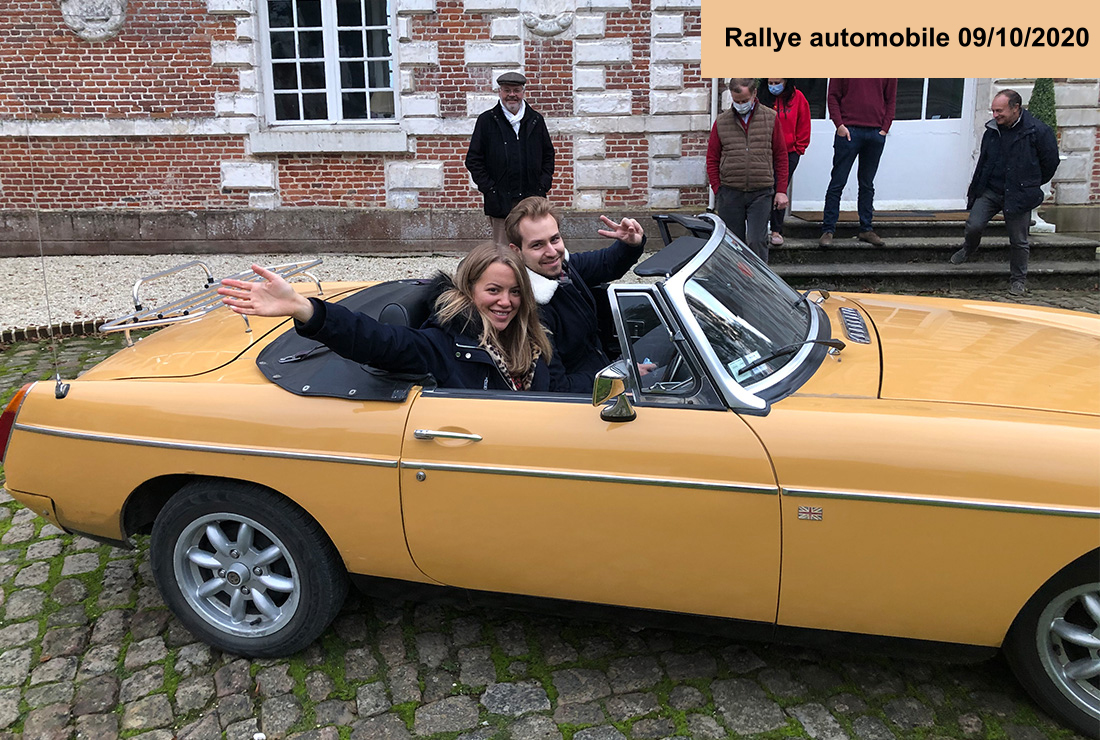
(610, 384)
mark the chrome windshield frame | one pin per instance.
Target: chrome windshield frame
(737, 396)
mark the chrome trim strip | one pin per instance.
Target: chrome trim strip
(221, 449)
(952, 503)
(590, 477)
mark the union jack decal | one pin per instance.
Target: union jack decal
(812, 513)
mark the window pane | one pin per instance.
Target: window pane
(282, 45)
(309, 13)
(355, 104)
(379, 74)
(311, 45)
(351, 44)
(816, 91)
(286, 108)
(378, 43)
(910, 99)
(377, 13)
(315, 106)
(279, 14)
(352, 75)
(313, 76)
(285, 76)
(349, 13)
(381, 104)
(945, 98)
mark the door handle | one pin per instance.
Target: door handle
(433, 434)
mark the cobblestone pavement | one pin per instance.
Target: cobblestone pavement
(88, 649)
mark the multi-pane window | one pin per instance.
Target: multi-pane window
(918, 98)
(331, 60)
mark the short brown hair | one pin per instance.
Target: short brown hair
(742, 83)
(1013, 98)
(534, 207)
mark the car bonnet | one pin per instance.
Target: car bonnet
(1001, 354)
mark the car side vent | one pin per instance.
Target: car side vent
(854, 325)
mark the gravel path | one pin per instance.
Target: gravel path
(82, 288)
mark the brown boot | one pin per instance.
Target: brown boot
(871, 238)
(826, 240)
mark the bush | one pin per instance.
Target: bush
(1042, 104)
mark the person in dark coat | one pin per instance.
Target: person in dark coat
(563, 285)
(511, 156)
(484, 333)
(1019, 155)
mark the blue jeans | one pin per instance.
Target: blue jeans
(866, 144)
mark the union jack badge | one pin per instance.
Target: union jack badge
(812, 513)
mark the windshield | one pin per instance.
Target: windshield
(745, 311)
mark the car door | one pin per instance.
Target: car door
(535, 494)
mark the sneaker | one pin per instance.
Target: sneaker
(959, 257)
(826, 239)
(777, 239)
(871, 238)
(1017, 287)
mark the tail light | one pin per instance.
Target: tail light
(7, 419)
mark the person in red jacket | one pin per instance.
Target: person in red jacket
(794, 117)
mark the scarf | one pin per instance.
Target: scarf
(516, 119)
(516, 384)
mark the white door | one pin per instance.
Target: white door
(929, 155)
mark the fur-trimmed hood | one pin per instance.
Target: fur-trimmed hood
(543, 287)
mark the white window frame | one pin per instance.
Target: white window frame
(332, 76)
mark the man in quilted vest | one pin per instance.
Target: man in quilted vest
(747, 166)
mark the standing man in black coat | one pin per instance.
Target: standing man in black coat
(1019, 155)
(511, 156)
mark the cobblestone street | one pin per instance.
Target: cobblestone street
(88, 649)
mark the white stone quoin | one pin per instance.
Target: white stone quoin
(248, 175)
(492, 53)
(414, 175)
(603, 175)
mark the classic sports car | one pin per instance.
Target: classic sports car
(798, 463)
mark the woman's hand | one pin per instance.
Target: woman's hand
(273, 297)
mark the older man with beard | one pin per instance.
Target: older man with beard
(511, 156)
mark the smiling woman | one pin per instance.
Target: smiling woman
(484, 332)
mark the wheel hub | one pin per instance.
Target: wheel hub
(238, 575)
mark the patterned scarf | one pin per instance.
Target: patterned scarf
(516, 384)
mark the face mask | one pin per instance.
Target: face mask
(775, 89)
(743, 108)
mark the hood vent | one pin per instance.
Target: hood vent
(854, 325)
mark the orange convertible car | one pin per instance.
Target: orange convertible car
(876, 465)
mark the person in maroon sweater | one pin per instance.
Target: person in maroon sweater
(747, 166)
(862, 108)
(794, 116)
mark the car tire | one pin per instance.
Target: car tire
(1054, 645)
(245, 569)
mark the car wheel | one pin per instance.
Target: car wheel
(245, 569)
(1054, 645)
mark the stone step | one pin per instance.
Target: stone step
(874, 276)
(911, 248)
(886, 228)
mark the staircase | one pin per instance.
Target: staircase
(917, 253)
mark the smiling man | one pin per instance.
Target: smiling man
(563, 285)
(511, 156)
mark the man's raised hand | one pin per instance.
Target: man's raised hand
(628, 230)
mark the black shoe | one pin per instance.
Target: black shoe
(1017, 287)
(959, 257)
(826, 240)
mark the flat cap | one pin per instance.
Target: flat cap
(511, 78)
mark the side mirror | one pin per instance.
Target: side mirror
(610, 384)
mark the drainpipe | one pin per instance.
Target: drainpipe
(715, 96)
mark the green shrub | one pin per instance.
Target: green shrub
(1042, 104)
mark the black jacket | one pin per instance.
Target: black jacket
(450, 353)
(1030, 152)
(508, 169)
(569, 312)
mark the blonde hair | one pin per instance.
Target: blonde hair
(534, 207)
(523, 334)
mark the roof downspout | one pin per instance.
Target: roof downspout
(714, 98)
